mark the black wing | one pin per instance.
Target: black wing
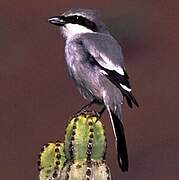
(120, 81)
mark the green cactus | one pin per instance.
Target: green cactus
(82, 155)
(85, 138)
(51, 161)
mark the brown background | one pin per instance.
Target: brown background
(37, 96)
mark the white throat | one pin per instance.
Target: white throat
(70, 30)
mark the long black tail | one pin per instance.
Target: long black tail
(120, 140)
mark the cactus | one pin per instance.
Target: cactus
(51, 161)
(82, 155)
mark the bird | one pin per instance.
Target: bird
(95, 62)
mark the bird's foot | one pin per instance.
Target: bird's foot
(99, 114)
(84, 109)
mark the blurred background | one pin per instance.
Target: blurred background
(37, 96)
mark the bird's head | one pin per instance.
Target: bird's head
(77, 21)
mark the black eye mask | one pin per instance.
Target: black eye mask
(81, 21)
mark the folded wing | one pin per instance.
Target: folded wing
(108, 56)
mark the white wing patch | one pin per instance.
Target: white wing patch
(103, 72)
(125, 87)
(109, 65)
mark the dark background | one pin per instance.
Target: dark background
(37, 97)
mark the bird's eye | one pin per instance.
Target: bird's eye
(74, 19)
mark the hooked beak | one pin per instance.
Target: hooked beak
(57, 20)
